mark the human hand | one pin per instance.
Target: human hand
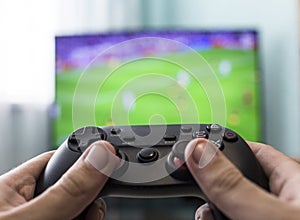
(66, 199)
(236, 196)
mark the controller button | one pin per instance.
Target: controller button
(73, 140)
(230, 136)
(115, 131)
(129, 138)
(170, 138)
(214, 128)
(147, 155)
(186, 129)
(179, 148)
(219, 144)
(200, 134)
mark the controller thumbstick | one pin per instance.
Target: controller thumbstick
(176, 163)
(179, 148)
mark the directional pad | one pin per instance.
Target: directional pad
(84, 137)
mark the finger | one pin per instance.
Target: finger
(77, 188)
(204, 213)
(283, 172)
(270, 158)
(32, 167)
(23, 178)
(225, 186)
(97, 210)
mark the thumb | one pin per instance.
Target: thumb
(226, 187)
(204, 213)
(77, 188)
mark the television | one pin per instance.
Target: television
(152, 90)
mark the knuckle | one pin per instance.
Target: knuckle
(228, 179)
(72, 185)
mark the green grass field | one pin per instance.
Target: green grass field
(154, 91)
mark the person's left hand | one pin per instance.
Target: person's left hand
(68, 197)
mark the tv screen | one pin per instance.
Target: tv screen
(149, 90)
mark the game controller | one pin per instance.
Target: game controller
(148, 168)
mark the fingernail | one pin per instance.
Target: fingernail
(203, 153)
(198, 151)
(101, 208)
(198, 213)
(98, 156)
(101, 214)
(204, 212)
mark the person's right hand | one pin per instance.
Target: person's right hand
(68, 197)
(236, 196)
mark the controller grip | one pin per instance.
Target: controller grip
(59, 163)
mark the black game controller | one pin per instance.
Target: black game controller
(148, 168)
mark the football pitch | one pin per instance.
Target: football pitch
(153, 91)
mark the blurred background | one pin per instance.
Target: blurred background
(27, 58)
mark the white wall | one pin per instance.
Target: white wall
(27, 79)
(277, 22)
(24, 133)
(27, 64)
(86, 16)
(27, 52)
